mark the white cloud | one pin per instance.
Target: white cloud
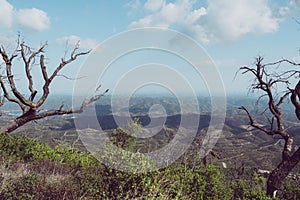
(238, 18)
(34, 19)
(283, 11)
(219, 21)
(168, 14)
(30, 18)
(85, 43)
(154, 5)
(6, 14)
(194, 15)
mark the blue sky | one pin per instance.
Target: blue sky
(232, 32)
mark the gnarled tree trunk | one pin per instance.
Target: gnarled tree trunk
(278, 175)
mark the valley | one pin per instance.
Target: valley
(238, 144)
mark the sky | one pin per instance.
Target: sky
(230, 34)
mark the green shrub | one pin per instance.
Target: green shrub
(24, 187)
(249, 190)
(291, 190)
(20, 148)
(65, 173)
(216, 187)
(178, 182)
(17, 148)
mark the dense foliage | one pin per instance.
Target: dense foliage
(30, 170)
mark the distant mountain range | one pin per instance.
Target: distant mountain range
(238, 144)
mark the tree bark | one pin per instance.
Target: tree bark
(278, 175)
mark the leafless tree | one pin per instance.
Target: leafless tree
(275, 87)
(31, 105)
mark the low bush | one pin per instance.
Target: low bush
(30, 170)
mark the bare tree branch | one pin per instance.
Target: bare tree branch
(282, 61)
(8, 97)
(257, 126)
(283, 98)
(27, 62)
(69, 78)
(10, 77)
(30, 107)
(267, 82)
(48, 81)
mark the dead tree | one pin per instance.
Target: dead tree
(269, 82)
(31, 105)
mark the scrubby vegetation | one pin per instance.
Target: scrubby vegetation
(30, 170)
